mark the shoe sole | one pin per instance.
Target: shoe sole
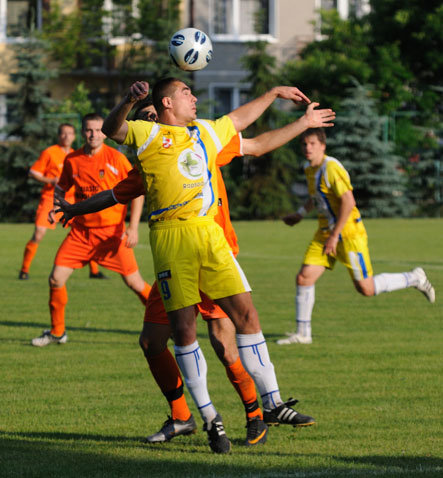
(192, 432)
(297, 425)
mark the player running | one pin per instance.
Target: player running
(340, 235)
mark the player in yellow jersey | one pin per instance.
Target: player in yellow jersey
(177, 161)
(340, 235)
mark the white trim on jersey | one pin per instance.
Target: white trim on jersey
(155, 129)
(240, 137)
(211, 132)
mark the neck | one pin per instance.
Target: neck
(169, 118)
(317, 161)
(66, 149)
(91, 151)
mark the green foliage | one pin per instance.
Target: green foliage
(347, 51)
(28, 132)
(379, 185)
(79, 40)
(259, 187)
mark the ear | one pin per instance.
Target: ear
(167, 102)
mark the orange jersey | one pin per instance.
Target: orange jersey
(132, 187)
(92, 174)
(50, 165)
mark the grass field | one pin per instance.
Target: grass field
(372, 378)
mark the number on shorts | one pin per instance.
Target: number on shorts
(165, 289)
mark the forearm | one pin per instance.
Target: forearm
(136, 211)
(95, 203)
(42, 179)
(346, 205)
(114, 126)
(246, 114)
(271, 140)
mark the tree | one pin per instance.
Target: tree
(357, 141)
(259, 188)
(27, 132)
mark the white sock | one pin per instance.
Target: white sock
(304, 303)
(255, 358)
(388, 282)
(193, 366)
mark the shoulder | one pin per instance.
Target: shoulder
(332, 164)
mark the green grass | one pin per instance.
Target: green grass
(372, 377)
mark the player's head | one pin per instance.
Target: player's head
(145, 110)
(66, 135)
(313, 143)
(92, 131)
(173, 97)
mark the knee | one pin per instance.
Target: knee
(144, 343)
(55, 283)
(301, 279)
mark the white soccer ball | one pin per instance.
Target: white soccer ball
(190, 49)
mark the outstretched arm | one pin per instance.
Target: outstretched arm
(246, 114)
(296, 217)
(102, 200)
(131, 232)
(115, 126)
(271, 140)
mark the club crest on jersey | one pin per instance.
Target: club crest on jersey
(164, 275)
(167, 142)
(101, 173)
(191, 164)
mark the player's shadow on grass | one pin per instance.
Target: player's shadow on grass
(403, 463)
(70, 328)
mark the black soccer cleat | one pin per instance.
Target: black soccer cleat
(285, 415)
(22, 275)
(218, 441)
(173, 428)
(257, 431)
(99, 275)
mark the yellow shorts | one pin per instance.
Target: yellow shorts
(193, 255)
(353, 252)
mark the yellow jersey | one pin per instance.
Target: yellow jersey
(178, 165)
(326, 184)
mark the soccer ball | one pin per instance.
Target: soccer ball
(190, 49)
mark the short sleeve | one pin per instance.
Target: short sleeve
(338, 179)
(138, 132)
(230, 151)
(42, 162)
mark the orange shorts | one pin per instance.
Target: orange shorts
(101, 244)
(155, 310)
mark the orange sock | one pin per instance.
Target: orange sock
(93, 267)
(58, 298)
(144, 294)
(244, 385)
(30, 251)
(166, 373)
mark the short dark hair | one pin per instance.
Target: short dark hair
(319, 132)
(164, 87)
(64, 125)
(141, 105)
(89, 117)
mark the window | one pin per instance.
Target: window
(227, 97)
(241, 19)
(16, 15)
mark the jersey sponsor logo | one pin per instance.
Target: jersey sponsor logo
(167, 142)
(191, 164)
(220, 202)
(164, 275)
(101, 173)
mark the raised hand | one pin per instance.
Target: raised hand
(319, 118)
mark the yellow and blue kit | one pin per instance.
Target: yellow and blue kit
(178, 167)
(326, 184)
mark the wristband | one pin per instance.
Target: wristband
(301, 211)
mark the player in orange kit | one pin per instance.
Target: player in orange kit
(101, 236)
(47, 170)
